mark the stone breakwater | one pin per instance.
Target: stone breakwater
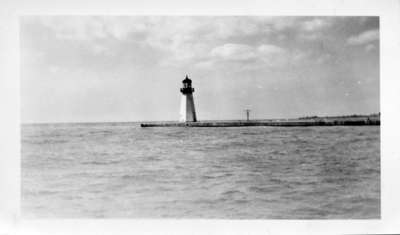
(359, 121)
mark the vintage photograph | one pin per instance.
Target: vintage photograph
(200, 117)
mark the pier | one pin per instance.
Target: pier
(346, 121)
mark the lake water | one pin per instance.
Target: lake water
(117, 170)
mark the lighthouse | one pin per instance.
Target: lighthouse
(187, 112)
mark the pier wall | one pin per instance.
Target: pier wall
(287, 123)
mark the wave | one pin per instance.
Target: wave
(232, 192)
(262, 189)
(217, 176)
(101, 162)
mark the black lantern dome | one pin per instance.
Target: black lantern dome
(187, 80)
(187, 86)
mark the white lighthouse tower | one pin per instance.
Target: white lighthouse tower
(188, 112)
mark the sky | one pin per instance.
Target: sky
(130, 68)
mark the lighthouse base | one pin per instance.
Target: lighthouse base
(187, 112)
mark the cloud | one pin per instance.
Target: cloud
(206, 64)
(370, 47)
(231, 51)
(277, 23)
(245, 57)
(270, 49)
(226, 27)
(313, 29)
(310, 36)
(300, 24)
(84, 28)
(315, 24)
(364, 37)
(181, 41)
(74, 28)
(122, 27)
(242, 52)
(177, 38)
(323, 58)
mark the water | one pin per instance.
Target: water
(121, 170)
